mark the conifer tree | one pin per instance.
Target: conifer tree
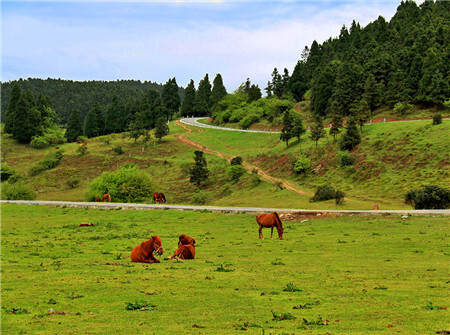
(99, 118)
(74, 127)
(199, 171)
(27, 119)
(298, 83)
(170, 98)
(336, 124)
(161, 130)
(218, 91)
(351, 137)
(254, 93)
(91, 124)
(12, 108)
(317, 131)
(187, 107)
(203, 96)
(286, 131)
(298, 129)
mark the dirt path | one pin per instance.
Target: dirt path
(273, 180)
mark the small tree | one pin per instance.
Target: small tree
(317, 131)
(286, 132)
(336, 125)
(428, 197)
(298, 129)
(437, 119)
(351, 137)
(161, 130)
(199, 171)
(236, 161)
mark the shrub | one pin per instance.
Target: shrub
(6, 172)
(39, 142)
(50, 161)
(128, 184)
(118, 150)
(17, 191)
(235, 172)
(199, 198)
(247, 121)
(236, 161)
(302, 164)
(339, 197)
(82, 138)
(324, 192)
(104, 139)
(437, 119)
(82, 150)
(73, 182)
(346, 159)
(428, 197)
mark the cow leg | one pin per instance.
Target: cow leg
(271, 234)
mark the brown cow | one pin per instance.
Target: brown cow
(106, 197)
(143, 253)
(186, 248)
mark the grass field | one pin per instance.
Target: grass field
(347, 275)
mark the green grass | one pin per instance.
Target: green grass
(356, 275)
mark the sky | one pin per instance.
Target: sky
(158, 40)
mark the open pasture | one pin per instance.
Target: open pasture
(347, 275)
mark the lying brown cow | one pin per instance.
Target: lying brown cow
(144, 253)
(186, 248)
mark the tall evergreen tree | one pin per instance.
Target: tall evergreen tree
(298, 84)
(203, 96)
(298, 128)
(27, 119)
(170, 98)
(351, 137)
(187, 107)
(100, 119)
(74, 126)
(199, 171)
(254, 93)
(12, 108)
(151, 109)
(91, 124)
(277, 83)
(161, 130)
(218, 91)
(336, 124)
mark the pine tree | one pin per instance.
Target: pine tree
(199, 171)
(298, 129)
(187, 107)
(170, 98)
(99, 118)
(26, 122)
(317, 131)
(161, 130)
(12, 108)
(362, 113)
(218, 91)
(269, 89)
(371, 92)
(298, 83)
(254, 93)
(203, 96)
(277, 83)
(151, 109)
(336, 124)
(286, 131)
(74, 127)
(91, 124)
(351, 137)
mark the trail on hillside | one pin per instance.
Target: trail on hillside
(264, 175)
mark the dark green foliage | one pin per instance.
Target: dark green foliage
(73, 182)
(351, 137)
(235, 172)
(324, 192)
(50, 161)
(94, 123)
(140, 305)
(317, 131)
(428, 197)
(170, 98)
(26, 121)
(288, 125)
(6, 172)
(298, 83)
(202, 104)
(345, 159)
(298, 129)
(12, 108)
(339, 197)
(218, 91)
(116, 117)
(161, 130)
(236, 161)
(187, 107)
(199, 171)
(128, 184)
(437, 119)
(74, 127)
(282, 316)
(118, 150)
(336, 124)
(18, 191)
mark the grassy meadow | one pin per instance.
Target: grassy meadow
(346, 275)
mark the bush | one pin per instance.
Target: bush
(324, 192)
(437, 119)
(51, 136)
(339, 197)
(199, 198)
(118, 150)
(428, 197)
(236, 161)
(50, 161)
(235, 172)
(247, 121)
(39, 142)
(128, 184)
(73, 182)
(346, 159)
(82, 139)
(6, 172)
(302, 164)
(17, 191)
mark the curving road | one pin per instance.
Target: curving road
(218, 209)
(193, 121)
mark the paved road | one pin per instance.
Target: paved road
(217, 209)
(194, 122)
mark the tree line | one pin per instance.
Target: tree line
(385, 63)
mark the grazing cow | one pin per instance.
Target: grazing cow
(97, 200)
(57, 148)
(143, 253)
(106, 197)
(86, 224)
(159, 198)
(186, 248)
(270, 221)
(83, 144)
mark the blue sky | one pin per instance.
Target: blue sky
(149, 40)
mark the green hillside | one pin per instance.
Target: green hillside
(392, 158)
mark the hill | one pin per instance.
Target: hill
(392, 158)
